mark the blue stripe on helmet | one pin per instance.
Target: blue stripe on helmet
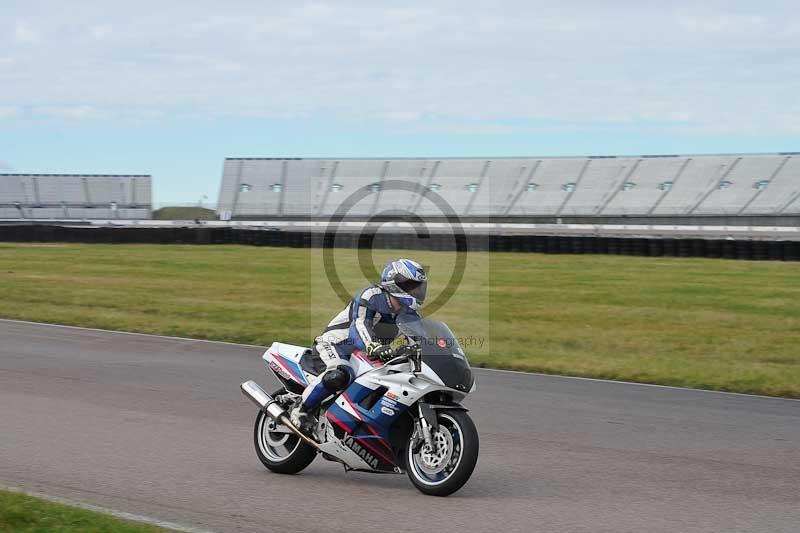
(385, 273)
(410, 266)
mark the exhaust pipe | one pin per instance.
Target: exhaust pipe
(264, 401)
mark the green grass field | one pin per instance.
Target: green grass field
(184, 213)
(23, 514)
(704, 323)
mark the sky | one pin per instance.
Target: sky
(172, 88)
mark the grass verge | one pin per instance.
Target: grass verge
(184, 213)
(702, 323)
(24, 514)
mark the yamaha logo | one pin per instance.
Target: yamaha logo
(368, 458)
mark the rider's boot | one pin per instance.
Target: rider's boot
(302, 420)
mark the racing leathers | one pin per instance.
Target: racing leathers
(367, 324)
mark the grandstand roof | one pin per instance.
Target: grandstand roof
(642, 185)
(81, 175)
(483, 158)
(75, 196)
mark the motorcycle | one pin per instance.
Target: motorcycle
(400, 416)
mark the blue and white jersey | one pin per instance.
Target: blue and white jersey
(367, 318)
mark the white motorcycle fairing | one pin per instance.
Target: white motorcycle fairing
(355, 429)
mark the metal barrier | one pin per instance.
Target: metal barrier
(776, 250)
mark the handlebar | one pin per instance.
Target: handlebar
(408, 353)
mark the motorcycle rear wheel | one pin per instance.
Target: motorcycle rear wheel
(283, 453)
(443, 471)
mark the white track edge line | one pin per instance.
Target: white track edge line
(171, 337)
(521, 372)
(638, 384)
(104, 510)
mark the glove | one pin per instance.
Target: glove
(381, 352)
(407, 350)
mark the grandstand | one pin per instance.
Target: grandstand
(668, 188)
(74, 196)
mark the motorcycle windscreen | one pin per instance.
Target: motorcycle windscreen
(441, 351)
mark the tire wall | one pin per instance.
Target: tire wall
(550, 244)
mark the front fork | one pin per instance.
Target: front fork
(426, 424)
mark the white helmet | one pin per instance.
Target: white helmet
(405, 280)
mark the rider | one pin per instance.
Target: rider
(367, 323)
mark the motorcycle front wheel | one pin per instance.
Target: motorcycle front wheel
(445, 468)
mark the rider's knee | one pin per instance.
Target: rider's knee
(337, 379)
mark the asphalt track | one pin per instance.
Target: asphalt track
(157, 427)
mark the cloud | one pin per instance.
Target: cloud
(8, 112)
(504, 66)
(399, 116)
(24, 33)
(722, 23)
(100, 32)
(5, 166)
(81, 112)
(90, 113)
